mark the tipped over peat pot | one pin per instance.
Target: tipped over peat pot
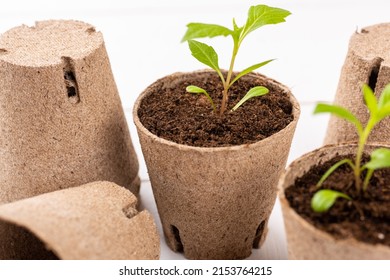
(61, 119)
(367, 61)
(94, 221)
(214, 202)
(349, 230)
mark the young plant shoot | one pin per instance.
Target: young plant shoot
(379, 158)
(258, 16)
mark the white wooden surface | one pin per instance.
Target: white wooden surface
(143, 43)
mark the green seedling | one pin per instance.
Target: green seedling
(379, 158)
(258, 16)
(195, 89)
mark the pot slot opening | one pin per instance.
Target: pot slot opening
(130, 211)
(259, 234)
(70, 81)
(176, 234)
(373, 77)
(91, 30)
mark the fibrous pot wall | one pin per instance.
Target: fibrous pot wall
(61, 118)
(98, 220)
(367, 61)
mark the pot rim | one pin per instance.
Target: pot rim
(310, 227)
(295, 112)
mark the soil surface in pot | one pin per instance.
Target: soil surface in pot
(186, 118)
(365, 218)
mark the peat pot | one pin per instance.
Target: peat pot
(61, 119)
(98, 220)
(367, 61)
(305, 241)
(214, 203)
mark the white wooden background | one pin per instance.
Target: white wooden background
(143, 43)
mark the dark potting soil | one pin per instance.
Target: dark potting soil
(186, 118)
(365, 218)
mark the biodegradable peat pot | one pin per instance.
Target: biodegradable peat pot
(98, 220)
(305, 241)
(214, 203)
(367, 61)
(61, 118)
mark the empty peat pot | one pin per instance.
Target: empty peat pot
(367, 61)
(306, 241)
(214, 203)
(61, 118)
(98, 220)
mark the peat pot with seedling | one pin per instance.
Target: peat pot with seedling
(213, 151)
(336, 200)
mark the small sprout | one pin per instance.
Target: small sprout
(341, 113)
(258, 16)
(379, 158)
(324, 199)
(195, 89)
(249, 69)
(253, 92)
(332, 169)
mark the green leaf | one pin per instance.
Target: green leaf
(249, 69)
(384, 104)
(383, 112)
(384, 99)
(370, 100)
(380, 158)
(195, 89)
(367, 179)
(340, 112)
(253, 92)
(261, 15)
(236, 32)
(205, 54)
(202, 30)
(332, 169)
(324, 199)
(235, 27)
